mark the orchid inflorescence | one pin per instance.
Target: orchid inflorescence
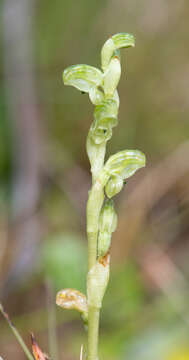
(107, 179)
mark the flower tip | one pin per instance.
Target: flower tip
(131, 42)
(143, 160)
(64, 77)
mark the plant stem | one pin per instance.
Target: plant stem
(16, 333)
(94, 205)
(93, 328)
(93, 313)
(95, 201)
(92, 249)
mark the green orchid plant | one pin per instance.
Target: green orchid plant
(107, 180)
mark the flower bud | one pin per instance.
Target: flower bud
(97, 281)
(112, 76)
(107, 225)
(114, 186)
(83, 77)
(72, 299)
(104, 242)
(108, 218)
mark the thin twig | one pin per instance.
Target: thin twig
(16, 333)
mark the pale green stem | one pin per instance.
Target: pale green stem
(92, 248)
(98, 161)
(94, 205)
(93, 329)
(16, 334)
(95, 201)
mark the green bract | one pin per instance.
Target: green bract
(82, 77)
(97, 281)
(118, 41)
(125, 163)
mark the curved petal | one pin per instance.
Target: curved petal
(82, 77)
(125, 163)
(123, 40)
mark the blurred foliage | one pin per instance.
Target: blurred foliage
(156, 343)
(64, 259)
(125, 293)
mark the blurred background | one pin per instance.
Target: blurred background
(45, 176)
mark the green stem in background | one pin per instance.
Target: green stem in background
(16, 334)
(51, 311)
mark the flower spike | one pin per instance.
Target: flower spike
(107, 180)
